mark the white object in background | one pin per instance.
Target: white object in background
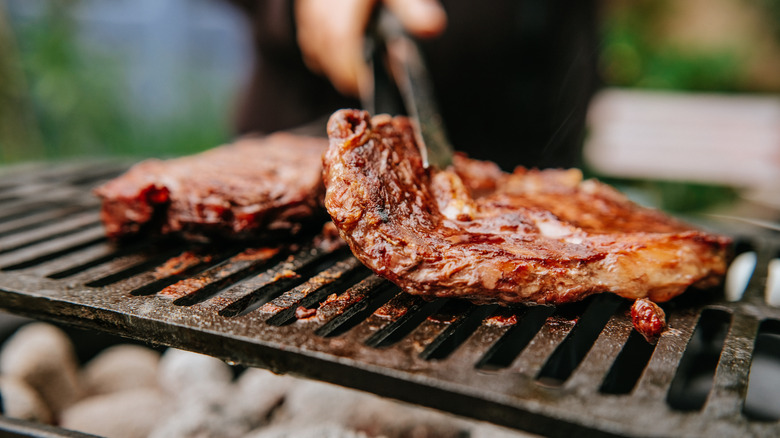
(192, 377)
(120, 368)
(43, 356)
(773, 283)
(706, 138)
(738, 275)
(20, 400)
(123, 414)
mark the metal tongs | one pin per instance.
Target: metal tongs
(399, 72)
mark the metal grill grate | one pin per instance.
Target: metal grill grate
(317, 312)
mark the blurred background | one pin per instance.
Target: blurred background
(690, 109)
(690, 112)
(121, 77)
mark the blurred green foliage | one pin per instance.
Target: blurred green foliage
(632, 55)
(79, 100)
(772, 8)
(676, 196)
(688, 197)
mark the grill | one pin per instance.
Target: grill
(315, 311)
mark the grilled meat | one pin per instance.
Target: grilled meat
(648, 319)
(247, 189)
(475, 232)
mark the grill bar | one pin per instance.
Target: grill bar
(731, 377)
(64, 267)
(473, 349)
(47, 232)
(37, 220)
(316, 311)
(659, 373)
(51, 249)
(533, 358)
(593, 370)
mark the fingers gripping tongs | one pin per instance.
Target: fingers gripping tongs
(400, 75)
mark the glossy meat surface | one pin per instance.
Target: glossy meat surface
(478, 233)
(648, 319)
(246, 189)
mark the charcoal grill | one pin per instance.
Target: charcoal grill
(314, 311)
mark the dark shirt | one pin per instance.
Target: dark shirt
(513, 78)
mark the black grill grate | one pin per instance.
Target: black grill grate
(316, 312)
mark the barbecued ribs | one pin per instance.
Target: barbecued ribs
(247, 189)
(478, 233)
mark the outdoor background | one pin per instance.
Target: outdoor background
(141, 78)
(117, 77)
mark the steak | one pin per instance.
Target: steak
(251, 188)
(473, 231)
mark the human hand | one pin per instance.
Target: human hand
(331, 34)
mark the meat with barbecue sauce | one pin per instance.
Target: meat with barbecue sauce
(473, 231)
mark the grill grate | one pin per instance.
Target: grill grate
(317, 312)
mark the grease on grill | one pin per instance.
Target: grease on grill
(452, 312)
(457, 332)
(245, 262)
(305, 313)
(257, 254)
(336, 277)
(346, 310)
(502, 318)
(179, 264)
(516, 338)
(394, 309)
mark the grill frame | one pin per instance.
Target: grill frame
(510, 396)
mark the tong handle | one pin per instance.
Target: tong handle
(381, 95)
(408, 77)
